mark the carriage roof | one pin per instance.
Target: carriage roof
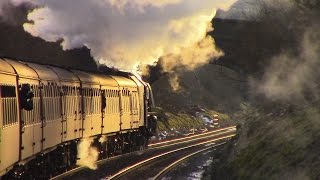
(22, 69)
(5, 67)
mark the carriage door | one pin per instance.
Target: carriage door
(70, 110)
(92, 122)
(111, 120)
(87, 111)
(51, 106)
(31, 122)
(125, 109)
(9, 127)
(96, 120)
(134, 110)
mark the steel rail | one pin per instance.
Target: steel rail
(167, 143)
(198, 138)
(140, 164)
(60, 176)
(179, 161)
(189, 137)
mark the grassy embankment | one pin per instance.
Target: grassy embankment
(184, 121)
(275, 145)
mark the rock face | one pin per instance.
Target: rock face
(249, 45)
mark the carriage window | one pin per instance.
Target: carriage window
(96, 101)
(69, 99)
(51, 102)
(33, 117)
(109, 94)
(8, 91)
(9, 105)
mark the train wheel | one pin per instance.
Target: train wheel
(133, 142)
(18, 172)
(73, 153)
(120, 145)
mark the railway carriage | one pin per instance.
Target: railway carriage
(71, 104)
(111, 112)
(90, 104)
(46, 110)
(10, 129)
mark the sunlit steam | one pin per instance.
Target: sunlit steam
(125, 34)
(174, 82)
(87, 154)
(103, 139)
(190, 58)
(193, 56)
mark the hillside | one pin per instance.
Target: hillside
(211, 86)
(274, 144)
(211, 89)
(279, 134)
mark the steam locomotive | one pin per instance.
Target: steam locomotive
(46, 110)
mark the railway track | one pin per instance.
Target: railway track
(123, 165)
(155, 167)
(172, 166)
(190, 138)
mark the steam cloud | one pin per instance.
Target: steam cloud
(295, 78)
(127, 33)
(293, 75)
(174, 82)
(2, 5)
(6, 13)
(6, 3)
(87, 154)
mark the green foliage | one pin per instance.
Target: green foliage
(221, 116)
(277, 147)
(184, 121)
(179, 121)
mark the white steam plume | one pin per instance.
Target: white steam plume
(126, 33)
(87, 154)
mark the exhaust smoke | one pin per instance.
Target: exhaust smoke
(125, 34)
(87, 155)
